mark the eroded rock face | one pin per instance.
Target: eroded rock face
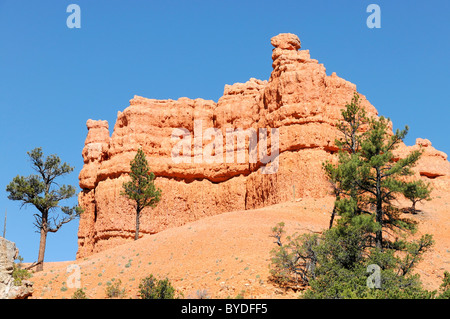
(8, 290)
(185, 142)
(432, 165)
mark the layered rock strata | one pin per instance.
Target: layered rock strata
(288, 125)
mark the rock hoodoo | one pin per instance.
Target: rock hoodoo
(299, 100)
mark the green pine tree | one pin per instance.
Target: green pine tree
(42, 192)
(380, 177)
(367, 173)
(416, 192)
(369, 231)
(141, 189)
(342, 176)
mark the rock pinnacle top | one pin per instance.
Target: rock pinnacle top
(286, 41)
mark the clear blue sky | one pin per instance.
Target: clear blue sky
(52, 78)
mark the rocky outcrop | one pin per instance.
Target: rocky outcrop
(8, 290)
(287, 125)
(433, 164)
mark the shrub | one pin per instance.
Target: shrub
(203, 294)
(335, 265)
(19, 273)
(152, 288)
(240, 295)
(293, 263)
(113, 290)
(79, 294)
(445, 287)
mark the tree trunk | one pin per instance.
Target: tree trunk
(379, 233)
(332, 217)
(42, 243)
(40, 265)
(379, 213)
(136, 235)
(413, 207)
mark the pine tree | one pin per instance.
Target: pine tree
(369, 230)
(380, 175)
(141, 189)
(367, 174)
(416, 192)
(42, 192)
(342, 176)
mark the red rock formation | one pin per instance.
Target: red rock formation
(299, 100)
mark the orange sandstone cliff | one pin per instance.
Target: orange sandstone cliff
(299, 101)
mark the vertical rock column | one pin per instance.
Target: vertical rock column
(94, 152)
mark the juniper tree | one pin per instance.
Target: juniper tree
(141, 189)
(41, 191)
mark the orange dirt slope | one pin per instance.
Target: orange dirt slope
(226, 255)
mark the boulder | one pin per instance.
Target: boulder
(8, 290)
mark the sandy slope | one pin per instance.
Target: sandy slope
(227, 254)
